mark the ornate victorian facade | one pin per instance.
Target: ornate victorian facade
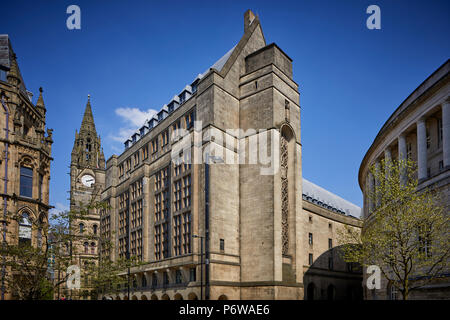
(26, 155)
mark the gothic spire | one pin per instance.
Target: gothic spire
(40, 103)
(88, 124)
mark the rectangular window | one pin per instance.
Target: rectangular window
(26, 182)
(187, 191)
(441, 165)
(310, 238)
(145, 152)
(176, 132)
(192, 274)
(158, 242)
(408, 150)
(190, 120)
(41, 181)
(136, 159)
(187, 232)
(330, 243)
(154, 145)
(222, 245)
(178, 276)
(310, 259)
(177, 235)
(165, 138)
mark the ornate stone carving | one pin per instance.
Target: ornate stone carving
(284, 195)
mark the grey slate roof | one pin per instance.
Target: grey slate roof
(318, 195)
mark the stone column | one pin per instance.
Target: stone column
(377, 183)
(387, 160)
(446, 133)
(370, 193)
(402, 154)
(422, 149)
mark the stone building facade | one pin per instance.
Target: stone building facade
(326, 275)
(207, 218)
(419, 129)
(26, 155)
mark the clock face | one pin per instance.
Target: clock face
(87, 180)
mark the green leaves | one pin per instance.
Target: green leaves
(406, 231)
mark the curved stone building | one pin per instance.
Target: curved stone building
(419, 129)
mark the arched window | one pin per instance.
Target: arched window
(81, 225)
(25, 229)
(86, 247)
(94, 227)
(93, 247)
(144, 281)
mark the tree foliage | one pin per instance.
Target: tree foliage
(406, 230)
(36, 270)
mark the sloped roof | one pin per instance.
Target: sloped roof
(319, 194)
(218, 65)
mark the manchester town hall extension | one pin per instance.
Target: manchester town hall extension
(202, 226)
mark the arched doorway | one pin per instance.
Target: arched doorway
(310, 291)
(118, 298)
(154, 297)
(134, 298)
(178, 297)
(223, 297)
(144, 297)
(165, 297)
(192, 296)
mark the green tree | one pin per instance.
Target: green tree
(36, 269)
(406, 230)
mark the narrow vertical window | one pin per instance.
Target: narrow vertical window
(26, 182)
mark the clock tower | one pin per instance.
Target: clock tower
(87, 180)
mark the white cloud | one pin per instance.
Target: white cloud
(134, 116)
(133, 119)
(59, 207)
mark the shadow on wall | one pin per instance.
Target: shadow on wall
(329, 277)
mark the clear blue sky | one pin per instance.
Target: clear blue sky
(136, 55)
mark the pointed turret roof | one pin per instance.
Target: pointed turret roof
(40, 102)
(88, 119)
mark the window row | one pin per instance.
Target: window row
(159, 143)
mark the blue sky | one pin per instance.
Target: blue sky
(134, 56)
